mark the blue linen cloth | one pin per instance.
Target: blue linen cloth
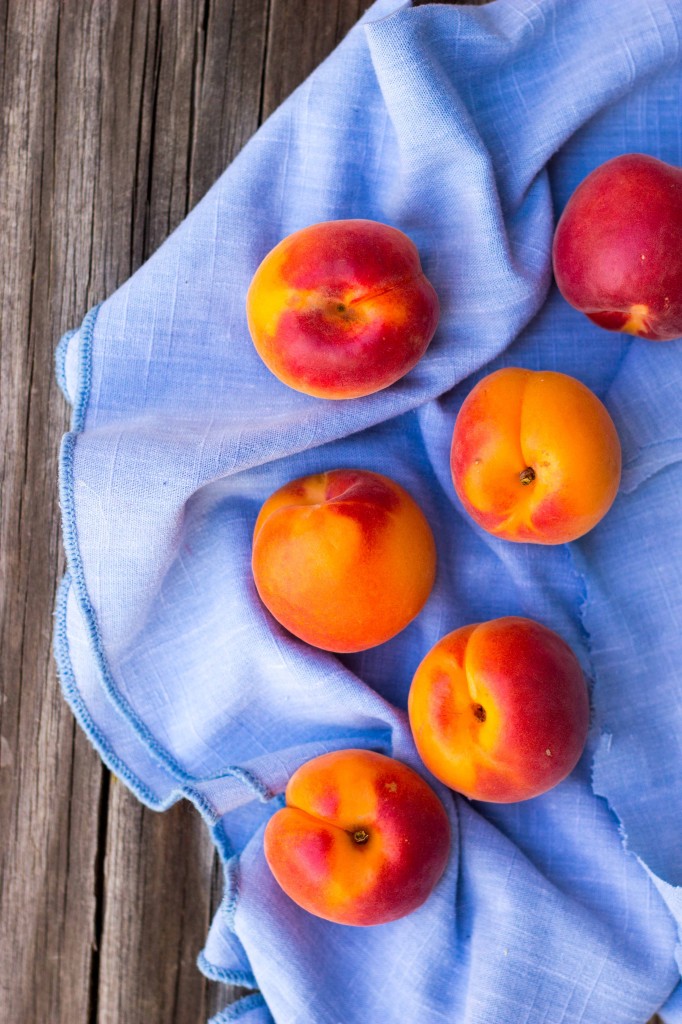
(466, 127)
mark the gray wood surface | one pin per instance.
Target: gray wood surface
(116, 116)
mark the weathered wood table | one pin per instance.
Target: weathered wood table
(117, 115)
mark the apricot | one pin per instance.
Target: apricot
(344, 559)
(342, 308)
(363, 839)
(535, 456)
(618, 247)
(499, 710)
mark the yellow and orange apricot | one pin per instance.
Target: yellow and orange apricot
(499, 710)
(535, 456)
(344, 559)
(342, 308)
(363, 839)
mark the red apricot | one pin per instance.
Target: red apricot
(342, 308)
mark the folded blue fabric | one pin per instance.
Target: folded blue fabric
(466, 127)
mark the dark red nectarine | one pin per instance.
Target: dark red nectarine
(618, 247)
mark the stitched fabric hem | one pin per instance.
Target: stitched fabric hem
(239, 1009)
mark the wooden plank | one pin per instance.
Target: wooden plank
(300, 36)
(50, 780)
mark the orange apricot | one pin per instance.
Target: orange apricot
(535, 456)
(363, 839)
(343, 559)
(499, 710)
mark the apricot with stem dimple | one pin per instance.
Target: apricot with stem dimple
(499, 710)
(363, 839)
(535, 456)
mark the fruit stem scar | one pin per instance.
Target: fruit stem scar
(479, 712)
(360, 836)
(527, 476)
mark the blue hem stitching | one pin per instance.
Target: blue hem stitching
(222, 843)
(73, 697)
(75, 701)
(238, 1009)
(82, 396)
(223, 974)
(228, 904)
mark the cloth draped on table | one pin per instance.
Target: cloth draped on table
(468, 128)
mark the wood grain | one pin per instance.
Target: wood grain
(117, 115)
